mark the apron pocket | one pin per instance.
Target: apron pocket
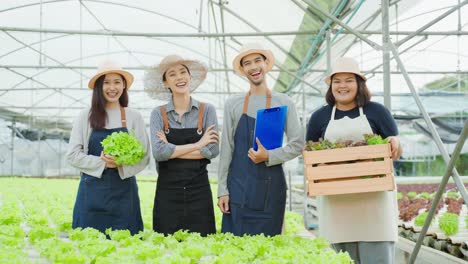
(98, 196)
(258, 192)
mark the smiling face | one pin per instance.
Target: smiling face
(344, 88)
(178, 79)
(112, 88)
(254, 67)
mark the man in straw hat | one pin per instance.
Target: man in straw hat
(252, 186)
(108, 194)
(184, 139)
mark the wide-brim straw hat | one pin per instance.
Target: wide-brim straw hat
(252, 48)
(344, 64)
(153, 79)
(109, 66)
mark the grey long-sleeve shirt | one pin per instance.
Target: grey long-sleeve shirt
(161, 150)
(77, 154)
(233, 110)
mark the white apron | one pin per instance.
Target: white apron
(356, 217)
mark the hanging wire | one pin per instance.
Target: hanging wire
(396, 28)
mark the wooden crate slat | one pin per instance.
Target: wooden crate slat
(351, 186)
(347, 154)
(348, 170)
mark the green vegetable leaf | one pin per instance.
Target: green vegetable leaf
(125, 147)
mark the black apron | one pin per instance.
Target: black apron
(109, 201)
(257, 193)
(183, 197)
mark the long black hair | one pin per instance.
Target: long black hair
(98, 115)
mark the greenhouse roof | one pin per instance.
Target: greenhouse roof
(50, 49)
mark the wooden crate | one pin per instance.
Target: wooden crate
(342, 171)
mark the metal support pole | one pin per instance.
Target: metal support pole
(304, 111)
(200, 17)
(13, 134)
(221, 11)
(329, 56)
(39, 169)
(440, 191)
(60, 154)
(435, 134)
(40, 34)
(386, 54)
(111, 33)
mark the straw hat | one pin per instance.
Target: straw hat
(251, 48)
(344, 64)
(109, 66)
(153, 79)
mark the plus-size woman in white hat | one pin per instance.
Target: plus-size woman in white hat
(107, 194)
(364, 224)
(184, 139)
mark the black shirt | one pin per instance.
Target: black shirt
(380, 120)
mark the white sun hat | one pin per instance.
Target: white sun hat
(344, 64)
(153, 79)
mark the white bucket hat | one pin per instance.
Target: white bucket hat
(251, 48)
(153, 79)
(109, 66)
(344, 64)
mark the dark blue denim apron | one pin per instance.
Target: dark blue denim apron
(183, 197)
(109, 201)
(257, 193)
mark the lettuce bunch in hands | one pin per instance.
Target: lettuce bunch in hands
(125, 147)
(369, 139)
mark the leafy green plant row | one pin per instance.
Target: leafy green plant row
(45, 207)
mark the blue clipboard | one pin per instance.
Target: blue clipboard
(269, 127)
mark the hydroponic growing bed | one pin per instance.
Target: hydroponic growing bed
(448, 231)
(35, 227)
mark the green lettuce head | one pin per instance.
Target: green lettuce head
(125, 147)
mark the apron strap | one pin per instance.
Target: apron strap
(200, 118)
(247, 96)
(268, 99)
(246, 103)
(332, 117)
(123, 117)
(164, 116)
(361, 112)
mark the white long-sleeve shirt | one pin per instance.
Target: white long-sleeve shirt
(77, 154)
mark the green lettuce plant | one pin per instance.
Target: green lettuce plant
(125, 147)
(421, 219)
(448, 223)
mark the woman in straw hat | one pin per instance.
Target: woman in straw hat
(251, 184)
(107, 194)
(184, 138)
(363, 224)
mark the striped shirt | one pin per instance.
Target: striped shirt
(162, 151)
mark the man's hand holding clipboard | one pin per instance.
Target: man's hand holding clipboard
(269, 131)
(261, 155)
